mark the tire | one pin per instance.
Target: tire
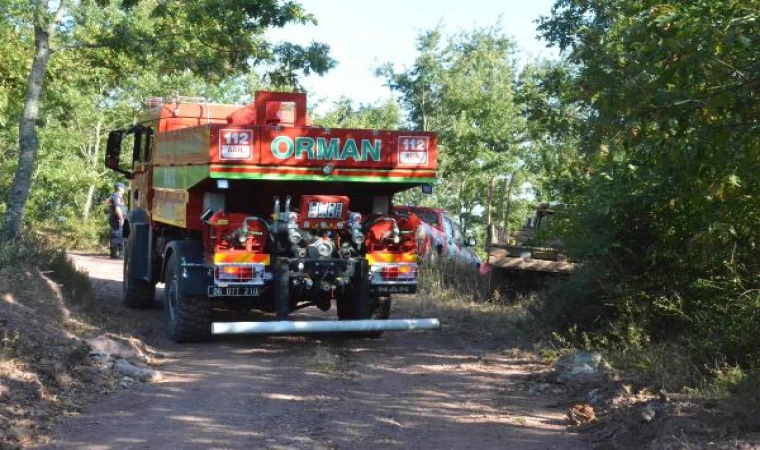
(381, 308)
(351, 303)
(352, 307)
(281, 285)
(137, 293)
(188, 319)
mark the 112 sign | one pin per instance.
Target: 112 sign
(235, 144)
(412, 150)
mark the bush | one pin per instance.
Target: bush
(656, 271)
(72, 234)
(30, 249)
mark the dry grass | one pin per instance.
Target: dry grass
(456, 295)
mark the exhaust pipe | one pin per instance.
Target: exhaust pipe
(323, 326)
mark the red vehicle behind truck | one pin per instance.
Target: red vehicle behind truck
(250, 207)
(440, 236)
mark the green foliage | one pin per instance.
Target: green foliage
(213, 39)
(463, 87)
(109, 57)
(664, 187)
(385, 116)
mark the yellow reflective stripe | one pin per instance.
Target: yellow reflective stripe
(381, 258)
(242, 258)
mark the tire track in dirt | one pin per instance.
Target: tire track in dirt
(406, 390)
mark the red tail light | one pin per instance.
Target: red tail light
(398, 272)
(234, 273)
(390, 273)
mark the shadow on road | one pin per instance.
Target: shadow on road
(404, 390)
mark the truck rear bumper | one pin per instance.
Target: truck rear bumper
(324, 326)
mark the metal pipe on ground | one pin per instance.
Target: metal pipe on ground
(323, 326)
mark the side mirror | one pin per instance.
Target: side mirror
(471, 242)
(113, 152)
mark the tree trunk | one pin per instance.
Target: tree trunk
(499, 193)
(28, 142)
(88, 202)
(489, 204)
(460, 213)
(92, 160)
(505, 218)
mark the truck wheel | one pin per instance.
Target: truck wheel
(380, 308)
(137, 293)
(281, 285)
(353, 304)
(357, 304)
(188, 319)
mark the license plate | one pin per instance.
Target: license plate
(233, 291)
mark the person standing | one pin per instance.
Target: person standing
(117, 212)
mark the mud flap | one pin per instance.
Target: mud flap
(193, 276)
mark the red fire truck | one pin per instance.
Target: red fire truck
(252, 207)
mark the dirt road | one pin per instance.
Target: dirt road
(421, 390)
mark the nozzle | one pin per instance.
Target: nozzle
(287, 203)
(276, 212)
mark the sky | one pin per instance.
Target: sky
(363, 34)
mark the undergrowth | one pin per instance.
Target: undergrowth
(674, 362)
(37, 251)
(456, 294)
(89, 235)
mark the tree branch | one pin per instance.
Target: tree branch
(58, 17)
(734, 69)
(78, 46)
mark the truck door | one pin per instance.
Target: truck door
(142, 168)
